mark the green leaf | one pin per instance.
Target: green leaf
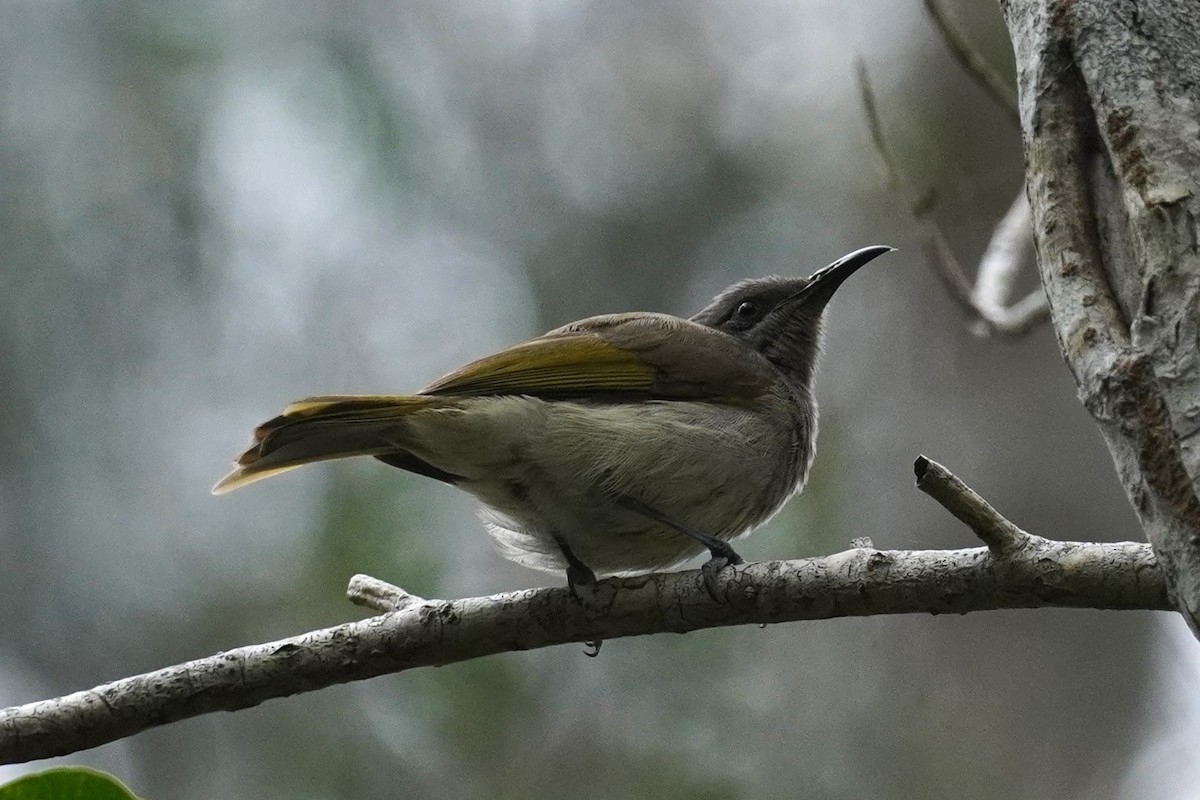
(66, 783)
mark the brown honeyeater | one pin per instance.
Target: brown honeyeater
(618, 444)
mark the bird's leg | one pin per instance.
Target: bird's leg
(723, 554)
(578, 573)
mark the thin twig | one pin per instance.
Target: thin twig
(1002, 537)
(936, 245)
(1004, 256)
(973, 62)
(380, 595)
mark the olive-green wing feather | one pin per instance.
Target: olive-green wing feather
(551, 366)
(617, 357)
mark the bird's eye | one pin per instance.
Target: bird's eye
(748, 310)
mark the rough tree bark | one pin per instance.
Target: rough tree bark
(1109, 93)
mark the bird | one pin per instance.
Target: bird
(617, 445)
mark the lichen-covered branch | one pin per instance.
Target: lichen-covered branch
(1112, 137)
(858, 582)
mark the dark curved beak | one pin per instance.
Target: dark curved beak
(824, 282)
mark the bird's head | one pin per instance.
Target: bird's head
(781, 317)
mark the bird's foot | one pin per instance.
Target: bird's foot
(579, 575)
(723, 555)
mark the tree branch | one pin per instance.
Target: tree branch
(1111, 170)
(1018, 571)
(973, 62)
(1009, 248)
(1001, 536)
(985, 302)
(380, 596)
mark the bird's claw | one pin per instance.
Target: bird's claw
(722, 557)
(579, 575)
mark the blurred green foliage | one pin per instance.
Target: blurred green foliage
(66, 783)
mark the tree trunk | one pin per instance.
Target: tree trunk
(1109, 95)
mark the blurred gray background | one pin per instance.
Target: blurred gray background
(210, 209)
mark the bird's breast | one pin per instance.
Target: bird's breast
(549, 468)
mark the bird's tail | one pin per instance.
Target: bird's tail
(324, 428)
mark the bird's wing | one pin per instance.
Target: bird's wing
(618, 357)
